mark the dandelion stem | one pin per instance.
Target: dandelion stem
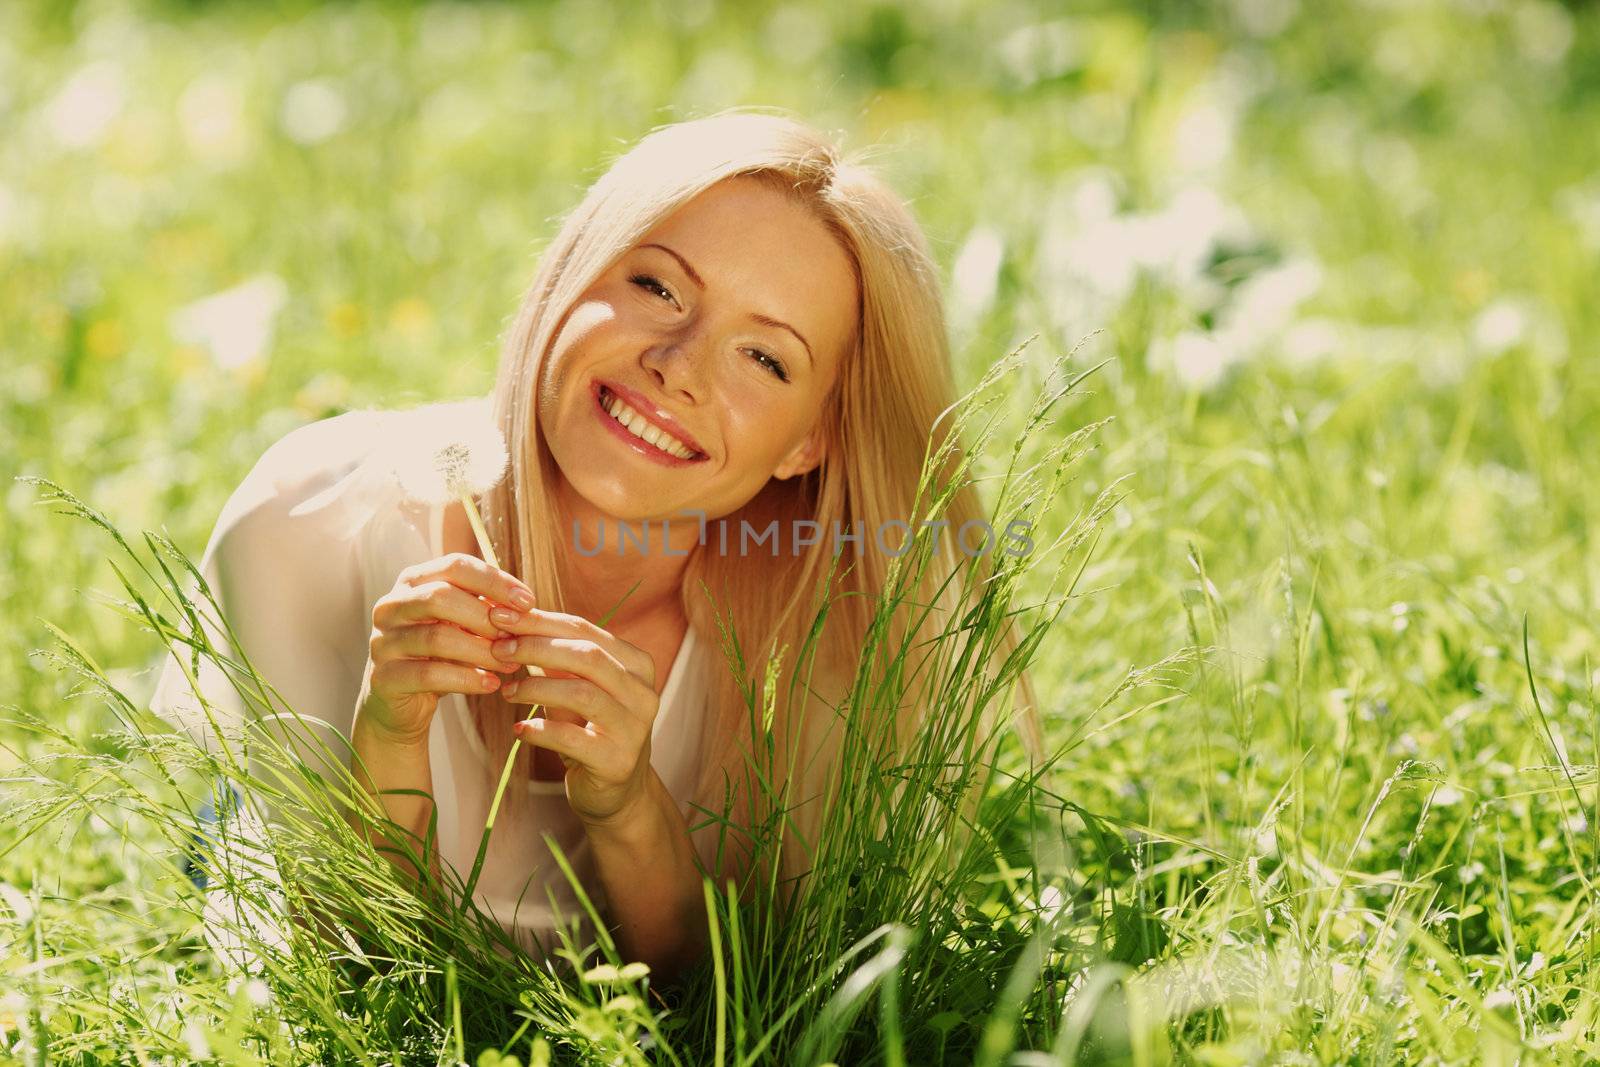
(487, 549)
(484, 544)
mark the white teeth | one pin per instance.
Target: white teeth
(644, 429)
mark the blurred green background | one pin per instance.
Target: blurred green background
(1344, 257)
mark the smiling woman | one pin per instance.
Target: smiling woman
(735, 324)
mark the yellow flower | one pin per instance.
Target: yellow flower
(253, 373)
(188, 360)
(410, 318)
(1472, 286)
(104, 339)
(345, 318)
(52, 321)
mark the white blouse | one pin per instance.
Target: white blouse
(303, 549)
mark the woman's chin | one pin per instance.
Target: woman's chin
(619, 502)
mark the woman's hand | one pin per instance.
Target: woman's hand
(601, 692)
(430, 636)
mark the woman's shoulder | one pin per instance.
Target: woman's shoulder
(308, 469)
(339, 470)
(331, 437)
(323, 447)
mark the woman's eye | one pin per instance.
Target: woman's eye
(770, 363)
(645, 281)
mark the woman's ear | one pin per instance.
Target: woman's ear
(805, 456)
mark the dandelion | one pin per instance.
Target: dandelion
(461, 456)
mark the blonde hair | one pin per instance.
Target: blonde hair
(889, 402)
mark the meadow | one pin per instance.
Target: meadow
(1308, 293)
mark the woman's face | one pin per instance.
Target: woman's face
(694, 369)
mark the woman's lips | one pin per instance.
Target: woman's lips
(647, 410)
(637, 444)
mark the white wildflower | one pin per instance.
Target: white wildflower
(976, 273)
(1500, 326)
(21, 909)
(313, 111)
(81, 113)
(211, 116)
(1051, 901)
(1195, 358)
(1446, 796)
(1498, 998)
(1204, 135)
(235, 326)
(195, 1037)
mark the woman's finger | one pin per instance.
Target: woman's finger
(537, 622)
(582, 658)
(570, 740)
(579, 696)
(474, 575)
(438, 640)
(434, 601)
(399, 677)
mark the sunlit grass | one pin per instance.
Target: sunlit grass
(1324, 693)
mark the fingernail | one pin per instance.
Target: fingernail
(523, 599)
(504, 617)
(504, 647)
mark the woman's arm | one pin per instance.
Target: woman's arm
(288, 585)
(383, 762)
(646, 862)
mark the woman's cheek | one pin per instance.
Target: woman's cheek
(762, 444)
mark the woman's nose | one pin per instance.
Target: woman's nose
(676, 366)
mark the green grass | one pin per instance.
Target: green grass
(1325, 687)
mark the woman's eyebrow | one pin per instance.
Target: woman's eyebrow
(765, 320)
